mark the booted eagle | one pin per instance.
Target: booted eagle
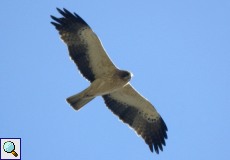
(86, 50)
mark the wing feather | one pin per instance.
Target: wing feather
(140, 115)
(85, 48)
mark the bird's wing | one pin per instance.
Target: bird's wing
(84, 46)
(139, 114)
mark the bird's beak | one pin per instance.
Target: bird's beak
(131, 74)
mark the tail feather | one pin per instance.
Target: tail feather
(77, 101)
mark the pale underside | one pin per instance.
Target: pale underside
(87, 52)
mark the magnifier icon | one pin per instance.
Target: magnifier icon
(9, 147)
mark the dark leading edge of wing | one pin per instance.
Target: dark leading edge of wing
(68, 27)
(154, 133)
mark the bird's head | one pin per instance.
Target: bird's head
(125, 75)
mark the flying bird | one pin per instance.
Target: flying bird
(113, 84)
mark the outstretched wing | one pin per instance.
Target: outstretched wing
(139, 114)
(85, 48)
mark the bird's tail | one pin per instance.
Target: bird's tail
(77, 101)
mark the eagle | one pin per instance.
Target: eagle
(113, 84)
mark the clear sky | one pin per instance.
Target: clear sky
(178, 51)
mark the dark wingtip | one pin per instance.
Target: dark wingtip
(160, 146)
(54, 18)
(66, 11)
(67, 19)
(156, 149)
(151, 147)
(159, 138)
(59, 10)
(56, 25)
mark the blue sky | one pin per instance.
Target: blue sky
(179, 54)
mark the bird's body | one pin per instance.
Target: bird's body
(100, 86)
(108, 81)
